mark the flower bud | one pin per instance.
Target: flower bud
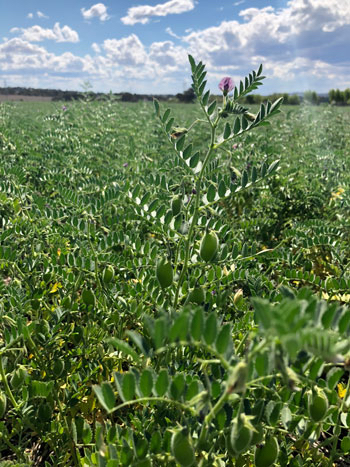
(226, 85)
(238, 297)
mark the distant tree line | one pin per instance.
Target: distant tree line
(335, 96)
(58, 95)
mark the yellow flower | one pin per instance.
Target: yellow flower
(337, 194)
(341, 390)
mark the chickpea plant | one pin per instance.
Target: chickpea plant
(232, 392)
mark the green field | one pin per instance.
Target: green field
(248, 356)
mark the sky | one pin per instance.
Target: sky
(142, 46)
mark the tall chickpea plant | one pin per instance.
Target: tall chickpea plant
(237, 121)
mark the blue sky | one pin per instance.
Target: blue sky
(142, 46)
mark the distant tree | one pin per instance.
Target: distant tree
(186, 97)
(128, 97)
(293, 99)
(311, 97)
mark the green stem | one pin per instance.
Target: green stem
(208, 419)
(335, 442)
(154, 399)
(195, 213)
(7, 387)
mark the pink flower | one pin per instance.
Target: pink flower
(226, 85)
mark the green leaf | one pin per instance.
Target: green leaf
(273, 167)
(244, 122)
(194, 160)
(187, 152)
(345, 444)
(128, 386)
(86, 435)
(179, 329)
(211, 193)
(272, 412)
(276, 105)
(223, 339)
(210, 329)
(333, 377)
(261, 364)
(205, 98)
(138, 340)
(192, 63)
(222, 189)
(177, 386)
(146, 382)
(156, 106)
(180, 143)
(286, 416)
(41, 388)
(197, 325)
(237, 126)
(201, 88)
(159, 332)
(254, 174)
(162, 383)
(105, 395)
(211, 108)
(227, 130)
(166, 115)
(156, 442)
(244, 180)
(262, 312)
(192, 390)
(169, 124)
(124, 347)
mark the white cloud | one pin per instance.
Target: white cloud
(96, 11)
(40, 14)
(172, 33)
(143, 13)
(310, 28)
(96, 48)
(126, 51)
(38, 34)
(166, 54)
(18, 54)
(30, 15)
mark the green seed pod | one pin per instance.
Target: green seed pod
(249, 116)
(108, 275)
(164, 273)
(18, 377)
(182, 449)
(266, 454)
(209, 246)
(238, 297)
(176, 205)
(88, 297)
(197, 296)
(241, 436)
(3, 404)
(317, 405)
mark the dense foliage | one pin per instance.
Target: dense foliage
(172, 296)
